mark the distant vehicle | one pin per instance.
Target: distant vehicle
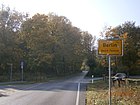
(119, 76)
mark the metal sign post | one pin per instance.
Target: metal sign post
(11, 70)
(22, 73)
(109, 81)
(22, 64)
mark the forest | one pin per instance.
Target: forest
(50, 46)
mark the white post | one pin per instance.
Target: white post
(109, 82)
(92, 78)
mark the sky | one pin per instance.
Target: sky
(88, 15)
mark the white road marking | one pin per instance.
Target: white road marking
(78, 93)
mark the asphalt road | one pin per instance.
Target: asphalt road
(62, 92)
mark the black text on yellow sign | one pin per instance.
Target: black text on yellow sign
(110, 47)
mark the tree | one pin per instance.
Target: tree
(54, 45)
(130, 35)
(10, 22)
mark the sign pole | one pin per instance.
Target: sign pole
(22, 64)
(109, 48)
(109, 81)
(22, 74)
(11, 71)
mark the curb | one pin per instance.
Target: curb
(15, 82)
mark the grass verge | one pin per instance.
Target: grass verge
(97, 94)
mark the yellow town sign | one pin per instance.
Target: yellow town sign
(110, 47)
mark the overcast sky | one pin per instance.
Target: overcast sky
(88, 15)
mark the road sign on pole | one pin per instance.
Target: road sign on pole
(21, 65)
(109, 48)
(11, 71)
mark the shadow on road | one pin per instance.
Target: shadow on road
(70, 84)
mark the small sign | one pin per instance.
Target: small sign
(110, 47)
(21, 64)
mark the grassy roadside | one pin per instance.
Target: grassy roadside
(97, 94)
(40, 80)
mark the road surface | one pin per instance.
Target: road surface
(62, 92)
